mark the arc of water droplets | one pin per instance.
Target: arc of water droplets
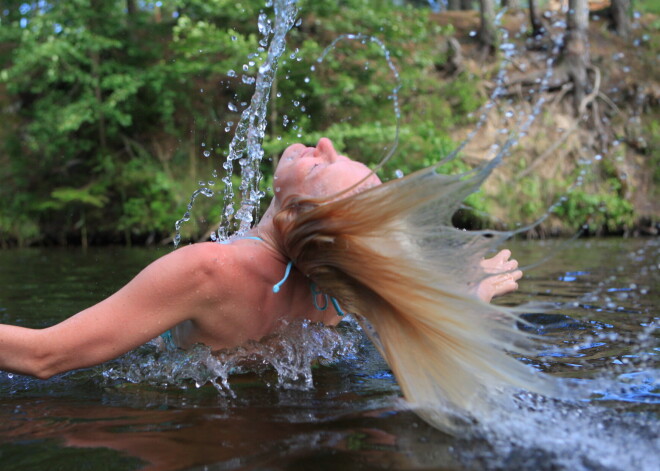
(250, 130)
(363, 38)
(500, 79)
(523, 127)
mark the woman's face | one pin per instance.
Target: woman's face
(318, 171)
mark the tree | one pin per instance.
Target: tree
(453, 4)
(535, 19)
(621, 17)
(487, 32)
(576, 49)
(511, 4)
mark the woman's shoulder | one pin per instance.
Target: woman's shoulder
(231, 261)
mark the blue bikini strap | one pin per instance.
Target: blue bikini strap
(315, 292)
(278, 285)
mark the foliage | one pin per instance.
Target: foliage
(107, 113)
(602, 210)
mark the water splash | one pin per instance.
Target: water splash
(290, 353)
(529, 431)
(245, 147)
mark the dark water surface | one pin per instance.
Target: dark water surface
(602, 339)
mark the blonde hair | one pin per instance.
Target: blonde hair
(391, 256)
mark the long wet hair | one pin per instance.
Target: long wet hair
(390, 255)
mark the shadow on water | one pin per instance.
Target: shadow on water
(599, 339)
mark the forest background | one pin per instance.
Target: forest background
(113, 112)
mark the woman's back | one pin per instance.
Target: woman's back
(241, 302)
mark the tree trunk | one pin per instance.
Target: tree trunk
(621, 17)
(535, 19)
(576, 49)
(131, 10)
(130, 7)
(453, 4)
(511, 4)
(487, 33)
(466, 4)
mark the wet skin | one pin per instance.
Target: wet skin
(217, 294)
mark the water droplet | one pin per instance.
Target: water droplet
(231, 73)
(398, 173)
(306, 80)
(232, 107)
(472, 33)
(206, 153)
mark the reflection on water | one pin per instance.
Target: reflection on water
(600, 338)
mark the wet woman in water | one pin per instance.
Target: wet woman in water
(334, 240)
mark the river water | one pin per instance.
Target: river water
(602, 302)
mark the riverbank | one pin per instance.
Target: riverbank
(116, 164)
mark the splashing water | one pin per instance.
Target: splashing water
(245, 147)
(549, 420)
(291, 353)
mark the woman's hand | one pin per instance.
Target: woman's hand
(501, 276)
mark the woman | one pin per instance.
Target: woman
(332, 237)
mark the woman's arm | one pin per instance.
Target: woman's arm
(179, 286)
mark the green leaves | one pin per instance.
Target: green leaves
(65, 196)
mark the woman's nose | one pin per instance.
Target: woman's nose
(325, 150)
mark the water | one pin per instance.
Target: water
(599, 338)
(266, 405)
(245, 146)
